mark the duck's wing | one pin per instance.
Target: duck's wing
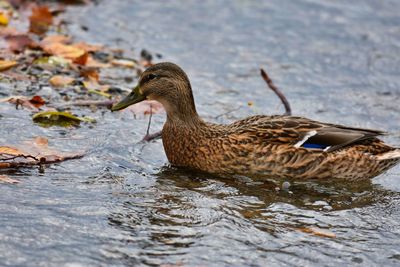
(302, 132)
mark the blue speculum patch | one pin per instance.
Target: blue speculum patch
(315, 146)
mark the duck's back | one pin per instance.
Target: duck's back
(280, 146)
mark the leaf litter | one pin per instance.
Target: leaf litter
(38, 52)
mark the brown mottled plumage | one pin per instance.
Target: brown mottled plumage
(278, 146)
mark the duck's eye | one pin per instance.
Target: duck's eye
(151, 76)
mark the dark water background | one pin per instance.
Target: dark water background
(336, 61)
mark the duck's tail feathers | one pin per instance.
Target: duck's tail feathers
(394, 154)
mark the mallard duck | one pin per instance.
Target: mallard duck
(278, 146)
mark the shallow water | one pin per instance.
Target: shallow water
(123, 205)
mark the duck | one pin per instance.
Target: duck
(279, 146)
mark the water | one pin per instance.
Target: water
(123, 205)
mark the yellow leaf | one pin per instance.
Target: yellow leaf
(7, 64)
(3, 19)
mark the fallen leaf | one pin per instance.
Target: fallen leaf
(40, 19)
(60, 80)
(31, 103)
(63, 39)
(88, 47)
(6, 179)
(3, 19)
(82, 59)
(146, 107)
(317, 231)
(93, 85)
(19, 42)
(53, 61)
(59, 118)
(90, 74)
(123, 63)
(7, 64)
(32, 152)
(63, 50)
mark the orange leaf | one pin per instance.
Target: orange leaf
(7, 64)
(40, 20)
(60, 81)
(123, 63)
(82, 59)
(37, 101)
(56, 39)
(88, 47)
(62, 50)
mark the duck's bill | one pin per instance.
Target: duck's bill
(133, 98)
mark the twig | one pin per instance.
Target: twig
(271, 85)
(148, 137)
(106, 103)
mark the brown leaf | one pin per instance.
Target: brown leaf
(63, 50)
(30, 103)
(317, 231)
(40, 20)
(82, 59)
(60, 80)
(90, 74)
(7, 179)
(33, 152)
(7, 64)
(19, 42)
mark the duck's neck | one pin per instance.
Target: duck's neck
(181, 111)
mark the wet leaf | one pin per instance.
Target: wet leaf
(88, 47)
(40, 20)
(3, 19)
(90, 74)
(93, 85)
(31, 103)
(146, 107)
(7, 64)
(37, 101)
(60, 80)
(59, 118)
(63, 39)
(53, 60)
(317, 231)
(18, 42)
(32, 152)
(6, 179)
(63, 50)
(123, 63)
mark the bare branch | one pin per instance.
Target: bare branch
(271, 85)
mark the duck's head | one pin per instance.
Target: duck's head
(166, 83)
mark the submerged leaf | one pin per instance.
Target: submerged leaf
(33, 152)
(59, 118)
